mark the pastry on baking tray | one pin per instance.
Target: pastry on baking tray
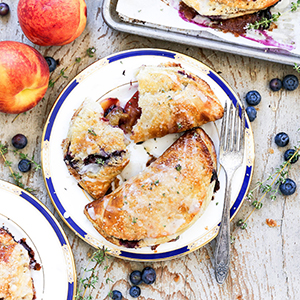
(164, 200)
(225, 9)
(172, 100)
(94, 151)
(15, 276)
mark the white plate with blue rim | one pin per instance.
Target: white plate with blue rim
(114, 76)
(25, 217)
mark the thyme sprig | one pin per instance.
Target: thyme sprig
(265, 22)
(25, 156)
(90, 52)
(15, 175)
(266, 188)
(295, 5)
(296, 67)
(89, 278)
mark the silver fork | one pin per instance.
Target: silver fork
(231, 158)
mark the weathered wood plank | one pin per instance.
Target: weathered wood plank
(264, 260)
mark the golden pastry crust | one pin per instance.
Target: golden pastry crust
(172, 100)
(164, 200)
(225, 9)
(94, 151)
(15, 276)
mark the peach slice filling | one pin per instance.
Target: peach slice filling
(125, 118)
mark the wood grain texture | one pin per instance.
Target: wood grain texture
(265, 260)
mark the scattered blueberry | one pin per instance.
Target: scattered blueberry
(253, 98)
(251, 112)
(275, 84)
(51, 63)
(290, 82)
(288, 187)
(288, 154)
(281, 139)
(117, 295)
(24, 165)
(4, 9)
(148, 275)
(19, 141)
(135, 277)
(134, 291)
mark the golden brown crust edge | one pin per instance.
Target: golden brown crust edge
(121, 224)
(90, 135)
(227, 8)
(173, 100)
(15, 276)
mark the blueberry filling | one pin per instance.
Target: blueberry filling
(236, 25)
(102, 157)
(215, 177)
(265, 14)
(185, 74)
(106, 112)
(69, 160)
(129, 244)
(33, 263)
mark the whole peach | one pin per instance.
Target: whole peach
(24, 77)
(52, 22)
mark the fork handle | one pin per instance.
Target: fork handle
(222, 249)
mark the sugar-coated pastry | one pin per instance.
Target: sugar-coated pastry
(172, 100)
(15, 276)
(164, 200)
(225, 9)
(94, 151)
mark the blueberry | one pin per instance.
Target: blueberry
(290, 82)
(4, 9)
(19, 141)
(117, 295)
(134, 291)
(253, 98)
(251, 112)
(281, 139)
(288, 154)
(288, 187)
(24, 165)
(275, 84)
(135, 277)
(148, 275)
(51, 63)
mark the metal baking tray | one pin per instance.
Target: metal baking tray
(192, 38)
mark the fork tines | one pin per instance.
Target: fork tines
(232, 130)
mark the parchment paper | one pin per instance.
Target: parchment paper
(155, 12)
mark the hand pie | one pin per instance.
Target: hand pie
(225, 9)
(94, 151)
(15, 275)
(171, 101)
(164, 200)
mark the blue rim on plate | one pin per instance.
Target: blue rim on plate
(64, 243)
(47, 138)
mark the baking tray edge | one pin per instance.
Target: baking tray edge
(112, 20)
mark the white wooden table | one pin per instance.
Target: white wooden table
(265, 260)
